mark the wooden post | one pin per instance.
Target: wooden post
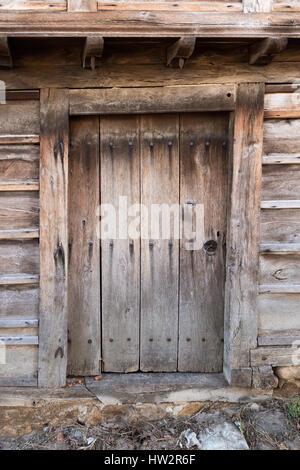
(257, 6)
(54, 138)
(243, 234)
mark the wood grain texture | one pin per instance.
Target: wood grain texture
(160, 256)
(53, 238)
(279, 288)
(157, 24)
(241, 321)
(282, 105)
(279, 269)
(273, 356)
(18, 279)
(203, 180)
(152, 100)
(19, 118)
(21, 362)
(257, 6)
(281, 159)
(281, 182)
(84, 346)
(19, 257)
(19, 163)
(278, 312)
(168, 5)
(19, 322)
(279, 247)
(19, 301)
(33, 5)
(279, 339)
(121, 257)
(280, 226)
(19, 210)
(82, 5)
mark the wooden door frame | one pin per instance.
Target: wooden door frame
(245, 102)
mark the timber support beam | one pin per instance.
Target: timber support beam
(262, 52)
(180, 51)
(5, 54)
(93, 49)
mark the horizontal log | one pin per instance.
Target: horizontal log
(285, 6)
(18, 382)
(278, 340)
(279, 288)
(19, 279)
(19, 234)
(170, 6)
(160, 23)
(279, 247)
(19, 322)
(15, 95)
(151, 100)
(282, 88)
(33, 5)
(19, 139)
(19, 340)
(285, 204)
(282, 105)
(276, 356)
(281, 159)
(15, 186)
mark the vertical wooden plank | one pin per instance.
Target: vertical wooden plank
(203, 180)
(84, 350)
(257, 6)
(82, 5)
(120, 254)
(241, 323)
(159, 267)
(53, 237)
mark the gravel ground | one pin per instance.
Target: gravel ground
(263, 426)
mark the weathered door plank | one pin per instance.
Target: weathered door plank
(84, 348)
(159, 267)
(203, 180)
(120, 255)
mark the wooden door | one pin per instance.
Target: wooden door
(160, 305)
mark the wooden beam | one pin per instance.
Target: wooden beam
(19, 322)
(180, 51)
(281, 159)
(241, 322)
(82, 5)
(279, 248)
(18, 279)
(152, 100)
(33, 5)
(262, 52)
(169, 5)
(53, 237)
(280, 288)
(274, 356)
(25, 234)
(157, 24)
(19, 340)
(93, 49)
(5, 54)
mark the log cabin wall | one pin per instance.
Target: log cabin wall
(56, 63)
